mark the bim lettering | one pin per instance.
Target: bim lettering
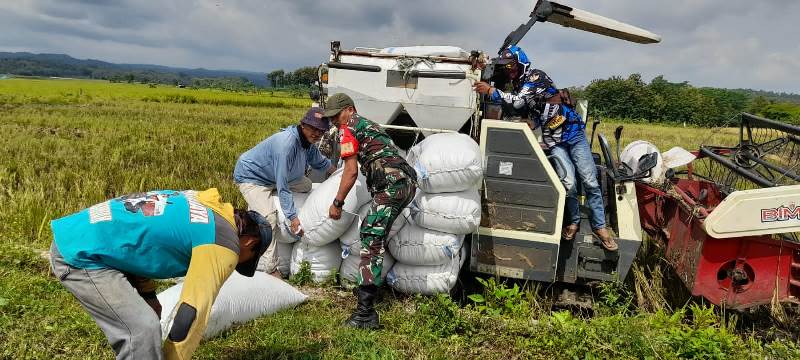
(782, 213)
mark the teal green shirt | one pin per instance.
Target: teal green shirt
(147, 234)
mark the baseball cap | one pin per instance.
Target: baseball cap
(315, 118)
(336, 103)
(264, 233)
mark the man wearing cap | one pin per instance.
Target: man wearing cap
(392, 183)
(278, 164)
(563, 132)
(107, 254)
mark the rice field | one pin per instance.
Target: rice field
(68, 144)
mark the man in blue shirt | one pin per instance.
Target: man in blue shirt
(278, 165)
(563, 132)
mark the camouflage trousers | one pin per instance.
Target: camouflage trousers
(392, 193)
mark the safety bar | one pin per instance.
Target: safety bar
(355, 67)
(458, 75)
(750, 119)
(378, 55)
(415, 129)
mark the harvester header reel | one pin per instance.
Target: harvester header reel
(767, 155)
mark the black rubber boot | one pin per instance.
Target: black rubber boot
(365, 316)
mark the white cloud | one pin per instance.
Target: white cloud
(726, 43)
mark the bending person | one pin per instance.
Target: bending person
(108, 254)
(278, 165)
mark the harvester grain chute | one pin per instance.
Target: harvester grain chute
(419, 90)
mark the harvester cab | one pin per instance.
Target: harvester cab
(416, 91)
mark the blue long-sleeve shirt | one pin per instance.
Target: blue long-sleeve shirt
(277, 161)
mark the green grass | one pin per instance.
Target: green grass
(665, 137)
(69, 144)
(60, 92)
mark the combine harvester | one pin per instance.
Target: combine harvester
(730, 221)
(728, 243)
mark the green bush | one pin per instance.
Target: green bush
(304, 276)
(783, 112)
(497, 299)
(332, 279)
(441, 316)
(702, 337)
(665, 101)
(615, 297)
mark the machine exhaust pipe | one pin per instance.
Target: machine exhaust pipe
(594, 128)
(618, 138)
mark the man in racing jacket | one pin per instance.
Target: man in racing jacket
(563, 132)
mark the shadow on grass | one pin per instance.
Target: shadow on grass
(307, 352)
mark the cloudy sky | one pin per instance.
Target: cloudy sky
(722, 43)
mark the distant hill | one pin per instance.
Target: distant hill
(61, 65)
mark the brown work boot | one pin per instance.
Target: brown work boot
(569, 231)
(605, 239)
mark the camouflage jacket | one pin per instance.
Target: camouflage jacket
(364, 138)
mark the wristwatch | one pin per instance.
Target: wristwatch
(338, 203)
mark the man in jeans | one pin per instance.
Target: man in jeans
(562, 131)
(106, 256)
(278, 164)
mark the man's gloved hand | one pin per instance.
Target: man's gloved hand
(483, 87)
(296, 228)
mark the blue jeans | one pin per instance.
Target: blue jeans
(576, 156)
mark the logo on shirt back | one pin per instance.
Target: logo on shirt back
(197, 211)
(150, 203)
(100, 212)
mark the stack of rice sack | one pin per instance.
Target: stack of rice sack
(351, 247)
(428, 249)
(283, 238)
(319, 245)
(284, 241)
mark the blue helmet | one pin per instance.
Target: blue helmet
(515, 53)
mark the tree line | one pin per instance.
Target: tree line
(661, 100)
(301, 77)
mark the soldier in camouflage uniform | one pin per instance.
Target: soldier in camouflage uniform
(392, 183)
